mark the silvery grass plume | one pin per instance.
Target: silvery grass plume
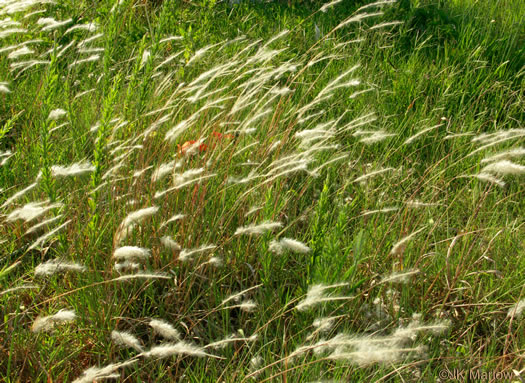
(385, 25)
(32, 211)
(504, 167)
(4, 88)
(50, 23)
(237, 296)
(247, 306)
(176, 217)
(131, 220)
(89, 27)
(76, 169)
(56, 265)
(141, 276)
(496, 139)
(163, 170)
(517, 310)
(89, 59)
(397, 277)
(420, 133)
(42, 239)
(499, 136)
(384, 210)
(126, 266)
(164, 329)
(259, 229)
(23, 51)
(372, 136)
(174, 349)
(169, 243)
(506, 155)
(489, 178)
(56, 114)
(399, 247)
(322, 325)
(370, 349)
(8, 32)
(48, 323)
(126, 339)
(21, 287)
(131, 253)
(278, 247)
(372, 174)
(191, 181)
(95, 374)
(316, 294)
(181, 178)
(231, 339)
(327, 6)
(187, 254)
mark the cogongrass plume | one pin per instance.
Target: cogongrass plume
(76, 169)
(142, 275)
(231, 339)
(169, 243)
(164, 329)
(400, 277)
(279, 246)
(131, 253)
(47, 323)
(126, 339)
(506, 155)
(42, 239)
(17, 288)
(258, 229)
(316, 294)
(23, 51)
(373, 174)
(57, 265)
(504, 167)
(489, 178)
(131, 220)
(50, 23)
(399, 247)
(174, 349)
(95, 374)
(237, 296)
(517, 310)
(187, 254)
(124, 266)
(56, 114)
(174, 218)
(31, 211)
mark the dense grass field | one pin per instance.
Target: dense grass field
(202, 191)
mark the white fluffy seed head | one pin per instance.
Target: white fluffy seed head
(131, 253)
(172, 349)
(504, 167)
(169, 243)
(517, 309)
(126, 339)
(76, 169)
(164, 329)
(56, 265)
(47, 323)
(258, 229)
(288, 244)
(56, 114)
